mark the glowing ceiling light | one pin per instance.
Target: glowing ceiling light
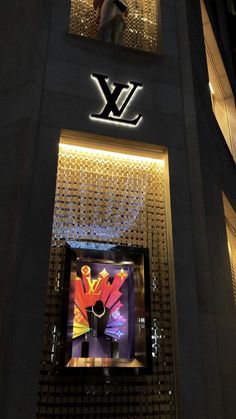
(110, 153)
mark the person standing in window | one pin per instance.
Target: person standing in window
(111, 16)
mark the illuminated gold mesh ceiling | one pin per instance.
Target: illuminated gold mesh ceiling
(142, 30)
(114, 199)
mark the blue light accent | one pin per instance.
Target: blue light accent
(89, 245)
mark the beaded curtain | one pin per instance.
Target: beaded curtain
(112, 199)
(142, 23)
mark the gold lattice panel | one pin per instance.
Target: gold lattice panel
(142, 24)
(231, 235)
(113, 199)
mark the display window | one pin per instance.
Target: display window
(131, 23)
(108, 319)
(105, 314)
(222, 98)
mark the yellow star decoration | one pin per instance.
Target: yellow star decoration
(122, 274)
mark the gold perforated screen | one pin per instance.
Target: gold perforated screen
(142, 23)
(118, 199)
(231, 235)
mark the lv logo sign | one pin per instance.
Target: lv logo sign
(116, 100)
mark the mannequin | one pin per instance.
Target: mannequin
(98, 316)
(111, 20)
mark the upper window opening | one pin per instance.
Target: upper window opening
(132, 23)
(222, 98)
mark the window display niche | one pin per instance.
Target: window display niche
(108, 309)
(105, 315)
(136, 26)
